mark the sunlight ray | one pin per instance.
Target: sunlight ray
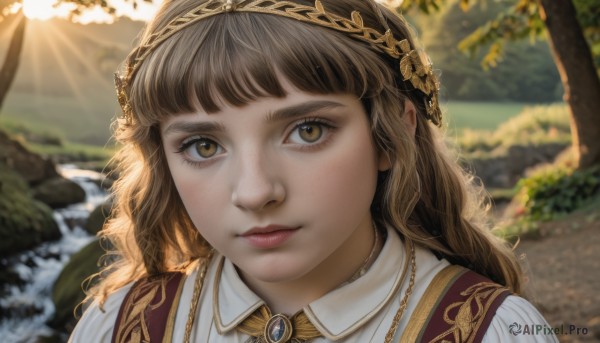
(67, 72)
(33, 43)
(7, 27)
(102, 41)
(56, 32)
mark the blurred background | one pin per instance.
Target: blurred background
(520, 93)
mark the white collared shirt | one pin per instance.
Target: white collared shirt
(361, 311)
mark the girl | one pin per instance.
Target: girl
(284, 181)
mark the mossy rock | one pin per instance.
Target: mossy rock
(97, 218)
(24, 221)
(32, 167)
(67, 292)
(59, 192)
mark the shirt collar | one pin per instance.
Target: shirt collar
(333, 315)
(233, 301)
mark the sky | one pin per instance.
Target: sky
(47, 9)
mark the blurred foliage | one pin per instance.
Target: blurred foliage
(528, 72)
(521, 19)
(535, 125)
(557, 190)
(588, 15)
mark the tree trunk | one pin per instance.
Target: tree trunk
(13, 56)
(579, 78)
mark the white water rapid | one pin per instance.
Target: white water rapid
(25, 309)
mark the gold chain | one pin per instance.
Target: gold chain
(366, 263)
(388, 337)
(404, 302)
(196, 297)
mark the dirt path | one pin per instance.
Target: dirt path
(565, 275)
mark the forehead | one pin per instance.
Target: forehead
(263, 111)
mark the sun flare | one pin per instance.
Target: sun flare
(47, 9)
(40, 9)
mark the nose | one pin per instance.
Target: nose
(256, 186)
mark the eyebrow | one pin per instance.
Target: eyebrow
(193, 127)
(280, 114)
(301, 109)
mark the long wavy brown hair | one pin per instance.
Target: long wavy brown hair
(240, 57)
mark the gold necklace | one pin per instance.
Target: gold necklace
(365, 265)
(408, 245)
(404, 302)
(200, 276)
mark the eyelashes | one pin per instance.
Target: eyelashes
(204, 147)
(305, 135)
(310, 133)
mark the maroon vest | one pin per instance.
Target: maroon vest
(147, 313)
(458, 306)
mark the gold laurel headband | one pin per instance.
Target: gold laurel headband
(411, 65)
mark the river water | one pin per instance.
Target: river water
(26, 308)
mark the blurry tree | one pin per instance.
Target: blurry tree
(11, 12)
(527, 72)
(572, 35)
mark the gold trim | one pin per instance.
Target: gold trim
(490, 301)
(133, 321)
(464, 325)
(198, 286)
(170, 327)
(215, 296)
(429, 301)
(410, 65)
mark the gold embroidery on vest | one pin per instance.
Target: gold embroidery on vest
(465, 323)
(133, 325)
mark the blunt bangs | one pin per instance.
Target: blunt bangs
(235, 58)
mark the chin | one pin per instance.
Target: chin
(276, 272)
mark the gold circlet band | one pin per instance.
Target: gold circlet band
(411, 66)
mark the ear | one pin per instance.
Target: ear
(410, 121)
(410, 117)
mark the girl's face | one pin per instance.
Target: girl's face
(282, 187)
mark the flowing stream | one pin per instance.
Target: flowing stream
(26, 308)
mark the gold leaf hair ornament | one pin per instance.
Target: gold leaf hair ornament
(412, 68)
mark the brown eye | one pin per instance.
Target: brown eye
(310, 133)
(206, 148)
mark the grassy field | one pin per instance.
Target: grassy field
(479, 115)
(84, 120)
